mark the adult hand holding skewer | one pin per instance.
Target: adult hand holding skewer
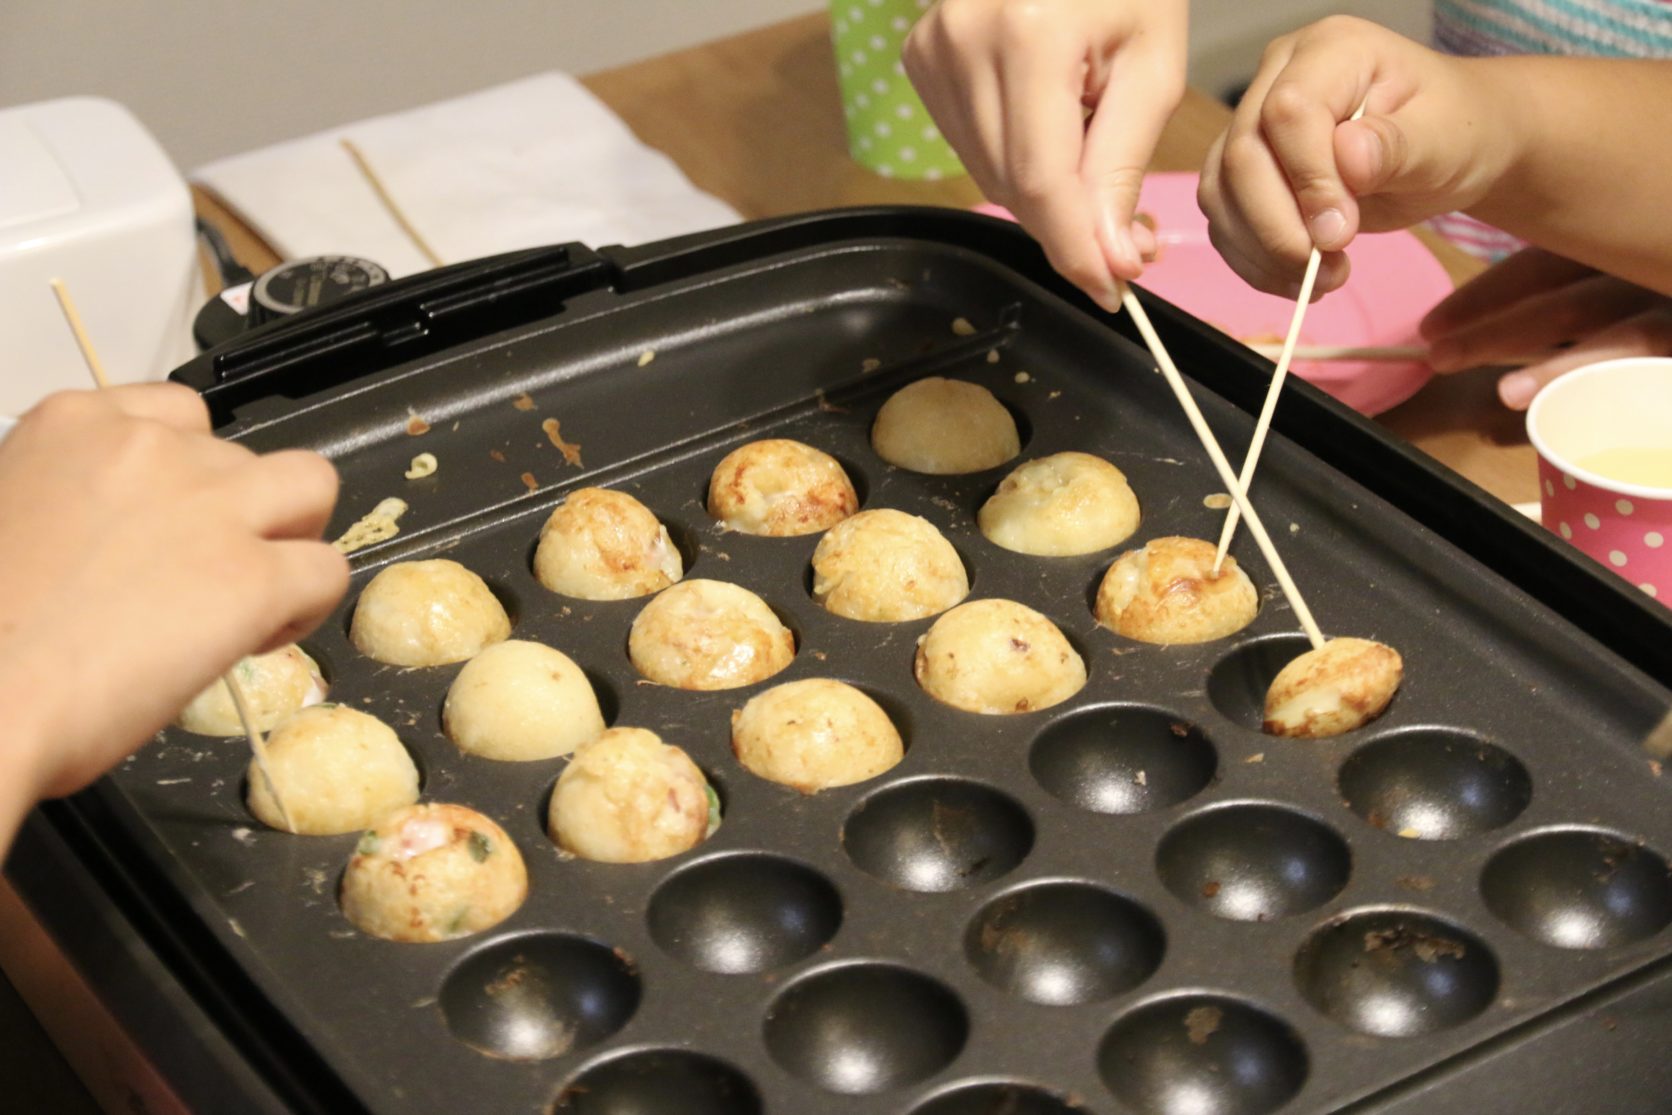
(142, 557)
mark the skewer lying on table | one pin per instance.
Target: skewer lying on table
(258, 745)
(1390, 354)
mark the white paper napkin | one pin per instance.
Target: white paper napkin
(533, 162)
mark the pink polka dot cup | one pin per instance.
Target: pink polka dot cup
(1591, 427)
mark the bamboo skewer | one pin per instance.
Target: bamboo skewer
(388, 202)
(258, 745)
(1390, 354)
(1217, 455)
(1263, 425)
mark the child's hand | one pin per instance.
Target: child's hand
(1293, 171)
(1009, 82)
(141, 557)
(1534, 301)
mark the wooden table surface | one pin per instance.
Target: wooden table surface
(755, 119)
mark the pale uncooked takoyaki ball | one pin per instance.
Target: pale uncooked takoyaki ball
(780, 488)
(275, 685)
(709, 635)
(433, 872)
(627, 797)
(427, 613)
(945, 426)
(1057, 506)
(1342, 685)
(997, 656)
(337, 769)
(601, 544)
(815, 734)
(886, 566)
(1167, 592)
(519, 700)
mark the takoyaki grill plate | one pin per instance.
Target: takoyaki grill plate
(1131, 902)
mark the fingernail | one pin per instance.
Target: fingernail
(1328, 227)
(1517, 390)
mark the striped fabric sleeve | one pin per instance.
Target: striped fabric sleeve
(1596, 28)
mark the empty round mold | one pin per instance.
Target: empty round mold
(744, 913)
(865, 1027)
(1238, 682)
(1396, 973)
(1064, 942)
(539, 995)
(1435, 784)
(1579, 889)
(937, 834)
(659, 1082)
(997, 1098)
(1122, 759)
(1202, 1054)
(1253, 862)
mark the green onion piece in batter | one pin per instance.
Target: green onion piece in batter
(370, 842)
(713, 809)
(480, 847)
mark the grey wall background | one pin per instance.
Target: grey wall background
(214, 77)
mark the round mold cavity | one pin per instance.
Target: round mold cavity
(1396, 973)
(1123, 759)
(1435, 784)
(749, 912)
(1202, 1054)
(539, 995)
(659, 1082)
(1579, 889)
(997, 1098)
(1060, 943)
(1238, 682)
(865, 1027)
(1253, 862)
(937, 834)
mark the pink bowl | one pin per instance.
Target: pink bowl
(1614, 404)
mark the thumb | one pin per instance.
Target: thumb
(1370, 154)
(1120, 140)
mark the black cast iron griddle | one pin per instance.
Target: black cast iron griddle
(1132, 902)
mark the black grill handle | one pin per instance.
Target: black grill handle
(391, 324)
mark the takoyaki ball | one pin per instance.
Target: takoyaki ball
(338, 769)
(945, 426)
(275, 685)
(427, 613)
(1167, 592)
(627, 797)
(518, 701)
(600, 544)
(780, 488)
(815, 734)
(1061, 505)
(886, 566)
(433, 872)
(709, 635)
(995, 657)
(1342, 685)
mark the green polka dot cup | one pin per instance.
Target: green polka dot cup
(1604, 439)
(889, 130)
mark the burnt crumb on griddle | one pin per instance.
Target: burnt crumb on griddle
(416, 426)
(1257, 757)
(961, 327)
(869, 365)
(1608, 1022)
(1426, 947)
(1375, 819)
(497, 455)
(525, 401)
(1655, 767)
(1179, 728)
(529, 482)
(1417, 883)
(1210, 889)
(826, 405)
(1202, 1023)
(571, 450)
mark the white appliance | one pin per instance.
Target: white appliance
(88, 197)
